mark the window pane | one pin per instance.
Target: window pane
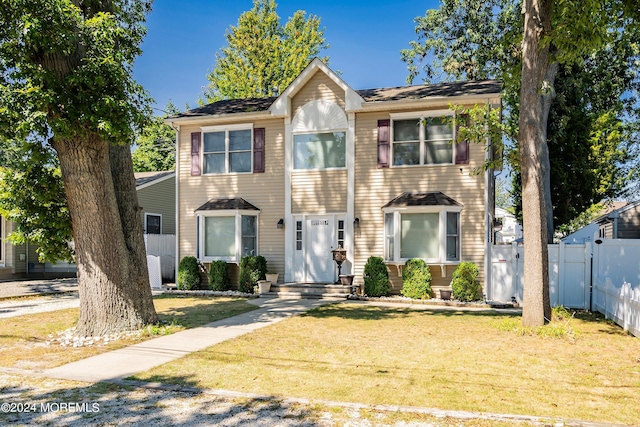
(240, 140)
(240, 162)
(248, 246)
(319, 151)
(214, 163)
(389, 236)
(452, 223)
(438, 128)
(420, 236)
(438, 152)
(153, 224)
(214, 142)
(452, 248)
(406, 153)
(220, 236)
(406, 130)
(248, 225)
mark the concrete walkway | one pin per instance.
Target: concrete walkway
(21, 288)
(127, 361)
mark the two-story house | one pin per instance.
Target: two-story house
(321, 165)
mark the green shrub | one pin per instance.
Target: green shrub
(465, 285)
(416, 279)
(188, 274)
(219, 276)
(376, 277)
(252, 269)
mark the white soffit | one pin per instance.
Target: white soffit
(319, 115)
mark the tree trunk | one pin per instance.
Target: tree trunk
(114, 289)
(534, 157)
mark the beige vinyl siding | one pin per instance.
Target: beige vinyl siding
(320, 86)
(160, 198)
(263, 190)
(375, 187)
(321, 191)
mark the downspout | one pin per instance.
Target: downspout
(488, 219)
(177, 204)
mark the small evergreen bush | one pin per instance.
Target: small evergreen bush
(252, 269)
(416, 279)
(188, 274)
(465, 285)
(376, 277)
(219, 276)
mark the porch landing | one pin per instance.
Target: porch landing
(309, 291)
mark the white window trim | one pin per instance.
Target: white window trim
(226, 129)
(148, 214)
(238, 214)
(442, 233)
(309, 132)
(421, 115)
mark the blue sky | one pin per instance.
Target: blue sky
(365, 39)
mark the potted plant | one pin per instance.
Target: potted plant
(264, 286)
(272, 277)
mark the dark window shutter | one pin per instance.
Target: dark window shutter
(195, 153)
(383, 143)
(258, 150)
(462, 147)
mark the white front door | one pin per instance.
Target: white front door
(319, 244)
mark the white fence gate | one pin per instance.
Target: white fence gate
(164, 247)
(603, 277)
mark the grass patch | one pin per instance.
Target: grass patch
(560, 326)
(23, 339)
(441, 359)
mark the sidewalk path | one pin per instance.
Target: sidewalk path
(127, 361)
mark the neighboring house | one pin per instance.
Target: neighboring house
(322, 165)
(156, 196)
(622, 223)
(509, 230)
(604, 225)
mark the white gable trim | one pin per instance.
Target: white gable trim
(319, 115)
(156, 181)
(281, 106)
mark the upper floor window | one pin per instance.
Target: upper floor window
(422, 141)
(319, 150)
(227, 151)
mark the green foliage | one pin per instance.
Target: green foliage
(155, 145)
(188, 274)
(465, 285)
(263, 55)
(416, 279)
(252, 269)
(376, 277)
(32, 196)
(219, 276)
(592, 130)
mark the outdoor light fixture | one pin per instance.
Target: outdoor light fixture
(356, 223)
(281, 223)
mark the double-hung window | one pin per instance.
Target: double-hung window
(227, 149)
(422, 139)
(228, 236)
(319, 150)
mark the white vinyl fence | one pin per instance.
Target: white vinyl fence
(602, 277)
(163, 246)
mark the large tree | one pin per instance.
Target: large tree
(263, 56)
(155, 145)
(65, 83)
(479, 39)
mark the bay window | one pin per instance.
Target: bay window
(227, 236)
(429, 233)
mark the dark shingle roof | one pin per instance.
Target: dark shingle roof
(232, 106)
(236, 203)
(147, 177)
(422, 199)
(481, 87)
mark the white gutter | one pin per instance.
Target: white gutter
(177, 201)
(217, 117)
